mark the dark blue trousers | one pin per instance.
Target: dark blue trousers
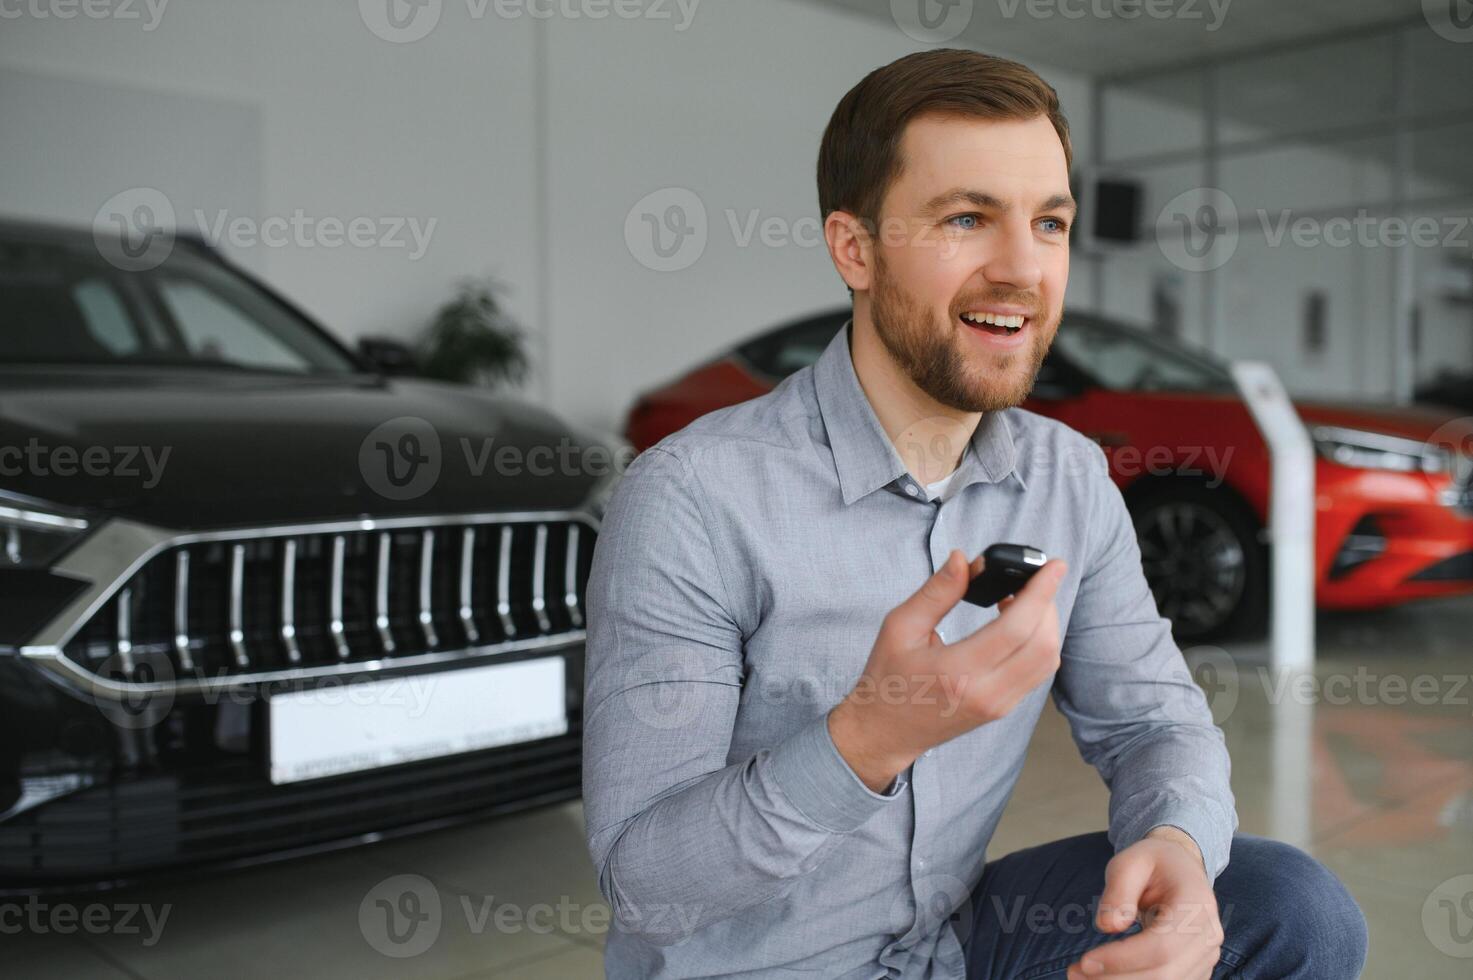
(1284, 915)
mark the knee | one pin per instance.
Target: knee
(1291, 910)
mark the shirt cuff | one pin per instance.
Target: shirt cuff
(811, 773)
(1212, 836)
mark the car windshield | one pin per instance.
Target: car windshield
(62, 304)
(1123, 358)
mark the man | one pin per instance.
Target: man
(798, 739)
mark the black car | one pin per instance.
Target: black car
(218, 526)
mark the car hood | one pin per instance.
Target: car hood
(1422, 423)
(206, 449)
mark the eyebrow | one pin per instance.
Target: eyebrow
(985, 201)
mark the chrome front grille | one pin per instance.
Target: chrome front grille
(277, 601)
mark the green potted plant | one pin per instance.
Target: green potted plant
(472, 340)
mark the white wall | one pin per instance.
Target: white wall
(527, 142)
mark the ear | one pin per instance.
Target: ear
(851, 247)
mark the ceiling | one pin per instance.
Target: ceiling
(1104, 45)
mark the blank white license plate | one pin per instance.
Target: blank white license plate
(351, 727)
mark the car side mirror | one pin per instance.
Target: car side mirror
(390, 357)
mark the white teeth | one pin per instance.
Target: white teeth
(997, 320)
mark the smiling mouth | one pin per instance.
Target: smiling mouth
(995, 324)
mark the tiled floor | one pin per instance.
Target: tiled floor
(1372, 771)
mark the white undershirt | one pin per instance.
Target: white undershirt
(935, 491)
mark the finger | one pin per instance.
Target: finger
(978, 563)
(1026, 667)
(1135, 954)
(916, 617)
(1126, 877)
(1020, 618)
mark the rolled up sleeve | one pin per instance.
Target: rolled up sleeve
(1133, 708)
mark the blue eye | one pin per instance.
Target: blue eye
(1056, 221)
(956, 221)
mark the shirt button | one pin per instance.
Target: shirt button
(928, 753)
(910, 488)
(920, 864)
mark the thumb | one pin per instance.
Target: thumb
(919, 615)
(1126, 877)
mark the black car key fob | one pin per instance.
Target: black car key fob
(1006, 568)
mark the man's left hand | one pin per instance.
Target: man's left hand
(1162, 882)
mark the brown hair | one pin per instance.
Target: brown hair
(860, 155)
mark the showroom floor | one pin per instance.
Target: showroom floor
(1382, 791)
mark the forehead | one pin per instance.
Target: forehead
(1006, 157)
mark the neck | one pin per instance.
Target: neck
(929, 436)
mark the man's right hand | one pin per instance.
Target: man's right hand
(917, 692)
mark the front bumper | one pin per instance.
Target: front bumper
(134, 720)
(86, 803)
(1389, 538)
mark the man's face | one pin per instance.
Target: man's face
(976, 224)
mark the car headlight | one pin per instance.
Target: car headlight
(1377, 451)
(31, 538)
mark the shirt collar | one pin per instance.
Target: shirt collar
(864, 456)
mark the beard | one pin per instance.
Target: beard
(939, 360)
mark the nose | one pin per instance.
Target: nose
(1014, 259)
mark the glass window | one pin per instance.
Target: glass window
(1125, 359)
(1308, 177)
(65, 305)
(1441, 73)
(107, 320)
(1344, 83)
(1159, 114)
(1440, 162)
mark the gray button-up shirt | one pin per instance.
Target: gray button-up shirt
(739, 580)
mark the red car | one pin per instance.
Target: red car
(1394, 485)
